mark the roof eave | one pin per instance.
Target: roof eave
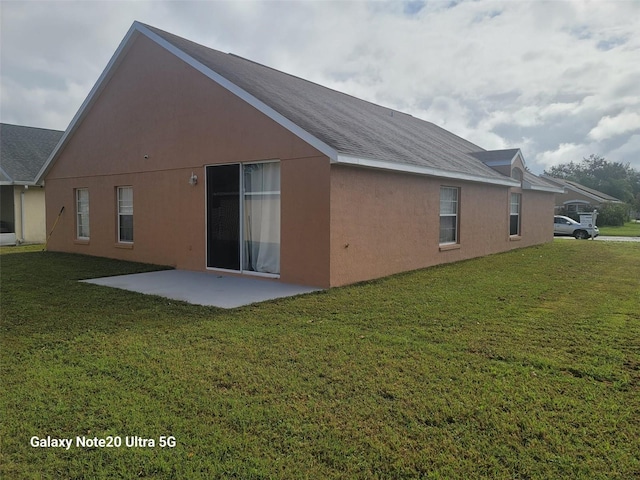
(504, 163)
(239, 92)
(139, 28)
(418, 170)
(541, 188)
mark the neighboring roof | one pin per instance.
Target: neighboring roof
(346, 129)
(23, 152)
(596, 195)
(534, 182)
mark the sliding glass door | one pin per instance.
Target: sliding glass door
(243, 217)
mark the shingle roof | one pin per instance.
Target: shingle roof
(579, 188)
(349, 125)
(496, 158)
(346, 129)
(491, 157)
(23, 151)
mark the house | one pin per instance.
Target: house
(576, 198)
(185, 156)
(23, 152)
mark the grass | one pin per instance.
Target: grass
(521, 365)
(629, 229)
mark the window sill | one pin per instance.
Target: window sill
(81, 241)
(451, 246)
(128, 246)
(515, 238)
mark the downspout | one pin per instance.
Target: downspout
(22, 214)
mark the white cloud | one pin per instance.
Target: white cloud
(499, 73)
(630, 149)
(565, 153)
(612, 126)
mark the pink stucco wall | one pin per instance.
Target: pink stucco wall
(156, 105)
(384, 223)
(338, 224)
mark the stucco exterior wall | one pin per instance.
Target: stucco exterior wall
(157, 106)
(34, 230)
(571, 196)
(384, 223)
(537, 217)
(158, 121)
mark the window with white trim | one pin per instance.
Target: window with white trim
(449, 214)
(82, 213)
(514, 214)
(125, 214)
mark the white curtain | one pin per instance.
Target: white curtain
(262, 217)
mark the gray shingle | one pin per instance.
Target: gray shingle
(347, 124)
(24, 150)
(575, 186)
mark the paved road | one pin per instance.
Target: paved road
(609, 239)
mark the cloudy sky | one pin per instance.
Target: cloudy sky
(558, 79)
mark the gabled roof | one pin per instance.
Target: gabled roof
(497, 158)
(596, 195)
(346, 129)
(507, 157)
(23, 152)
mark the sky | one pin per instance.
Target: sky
(558, 79)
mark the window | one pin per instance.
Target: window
(125, 214)
(578, 207)
(516, 174)
(82, 213)
(449, 214)
(514, 214)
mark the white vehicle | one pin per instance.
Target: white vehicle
(567, 226)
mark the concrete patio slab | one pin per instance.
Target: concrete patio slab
(203, 288)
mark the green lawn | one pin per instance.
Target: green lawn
(629, 229)
(522, 365)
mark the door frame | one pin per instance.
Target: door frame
(240, 219)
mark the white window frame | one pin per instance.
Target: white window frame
(82, 215)
(120, 214)
(517, 213)
(448, 214)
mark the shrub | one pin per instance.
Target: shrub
(613, 214)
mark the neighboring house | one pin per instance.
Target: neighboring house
(23, 152)
(186, 156)
(577, 198)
